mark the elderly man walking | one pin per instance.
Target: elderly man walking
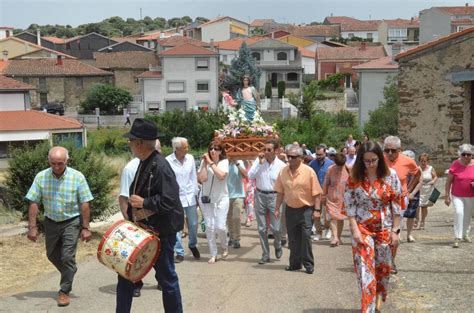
(65, 195)
(265, 171)
(298, 187)
(184, 168)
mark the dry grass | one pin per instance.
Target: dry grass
(23, 262)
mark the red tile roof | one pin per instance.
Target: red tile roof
(385, 63)
(261, 22)
(434, 43)
(350, 53)
(415, 22)
(307, 53)
(340, 19)
(126, 59)
(54, 39)
(174, 41)
(457, 10)
(234, 44)
(35, 120)
(372, 25)
(150, 74)
(187, 50)
(48, 67)
(317, 31)
(7, 83)
(6, 27)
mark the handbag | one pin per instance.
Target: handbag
(434, 195)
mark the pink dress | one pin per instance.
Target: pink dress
(334, 187)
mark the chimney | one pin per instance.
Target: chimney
(363, 46)
(59, 60)
(5, 55)
(467, 4)
(38, 37)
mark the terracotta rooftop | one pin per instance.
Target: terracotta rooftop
(187, 50)
(126, 59)
(385, 63)
(307, 53)
(372, 25)
(54, 39)
(457, 10)
(6, 27)
(150, 74)
(7, 83)
(434, 43)
(317, 31)
(415, 22)
(340, 19)
(35, 120)
(350, 53)
(220, 19)
(48, 67)
(261, 22)
(234, 44)
(174, 41)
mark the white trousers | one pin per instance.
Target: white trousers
(215, 216)
(463, 208)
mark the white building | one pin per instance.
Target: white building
(223, 28)
(14, 94)
(5, 32)
(188, 80)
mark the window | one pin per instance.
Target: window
(292, 77)
(281, 56)
(224, 58)
(350, 35)
(26, 80)
(202, 86)
(175, 87)
(370, 36)
(397, 32)
(202, 64)
(79, 83)
(256, 56)
(43, 98)
(202, 105)
(42, 83)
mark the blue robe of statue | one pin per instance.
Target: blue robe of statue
(249, 106)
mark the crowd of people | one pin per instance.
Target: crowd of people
(294, 195)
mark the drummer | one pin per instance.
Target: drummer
(154, 201)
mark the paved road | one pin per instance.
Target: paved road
(433, 277)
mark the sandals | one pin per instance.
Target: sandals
(212, 260)
(334, 244)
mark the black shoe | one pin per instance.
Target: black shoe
(309, 270)
(283, 243)
(236, 244)
(264, 260)
(292, 268)
(195, 252)
(159, 287)
(278, 253)
(270, 236)
(179, 259)
(136, 292)
(230, 243)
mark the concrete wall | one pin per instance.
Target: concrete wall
(434, 24)
(16, 48)
(12, 102)
(216, 31)
(309, 65)
(371, 85)
(332, 105)
(435, 112)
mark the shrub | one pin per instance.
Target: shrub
(27, 162)
(281, 89)
(108, 140)
(107, 97)
(332, 82)
(268, 89)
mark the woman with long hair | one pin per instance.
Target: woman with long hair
(372, 201)
(214, 197)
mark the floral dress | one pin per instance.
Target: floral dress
(373, 207)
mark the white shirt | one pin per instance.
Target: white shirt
(186, 178)
(266, 174)
(214, 188)
(128, 174)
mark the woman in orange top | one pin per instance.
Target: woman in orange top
(372, 201)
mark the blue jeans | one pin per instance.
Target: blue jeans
(167, 278)
(192, 219)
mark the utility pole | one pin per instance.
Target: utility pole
(141, 14)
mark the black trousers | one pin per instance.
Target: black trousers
(299, 223)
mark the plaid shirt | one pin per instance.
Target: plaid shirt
(61, 197)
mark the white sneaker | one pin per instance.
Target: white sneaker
(467, 239)
(317, 237)
(328, 234)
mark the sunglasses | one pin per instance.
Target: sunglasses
(268, 150)
(215, 149)
(292, 157)
(372, 161)
(392, 151)
(466, 155)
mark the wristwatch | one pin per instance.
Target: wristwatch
(396, 231)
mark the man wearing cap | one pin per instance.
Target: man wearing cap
(154, 201)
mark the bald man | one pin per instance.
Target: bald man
(65, 195)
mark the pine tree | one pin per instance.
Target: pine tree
(243, 65)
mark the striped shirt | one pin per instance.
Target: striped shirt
(61, 197)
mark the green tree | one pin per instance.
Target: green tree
(281, 89)
(201, 19)
(107, 97)
(384, 120)
(258, 31)
(268, 89)
(305, 101)
(245, 64)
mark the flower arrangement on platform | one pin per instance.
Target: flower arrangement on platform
(239, 126)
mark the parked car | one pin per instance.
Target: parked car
(53, 108)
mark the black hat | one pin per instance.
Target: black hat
(142, 129)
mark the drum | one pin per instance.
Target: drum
(129, 250)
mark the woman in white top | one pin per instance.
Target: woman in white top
(428, 177)
(214, 197)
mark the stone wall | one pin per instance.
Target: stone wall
(332, 105)
(434, 111)
(126, 79)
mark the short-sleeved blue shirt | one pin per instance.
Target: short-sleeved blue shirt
(321, 169)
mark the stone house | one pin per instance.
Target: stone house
(56, 80)
(317, 32)
(124, 45)
(436, 87)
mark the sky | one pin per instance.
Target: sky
(22, 13)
